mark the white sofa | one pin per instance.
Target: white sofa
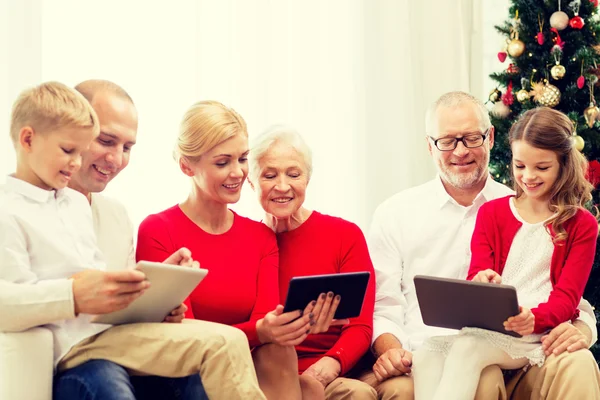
(26, 365)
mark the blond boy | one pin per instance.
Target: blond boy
(47, 244)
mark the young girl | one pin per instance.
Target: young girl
(541, 241)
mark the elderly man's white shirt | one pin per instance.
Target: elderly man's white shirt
(423, 230)
(45, 237)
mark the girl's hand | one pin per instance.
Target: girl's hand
(324, 310)
(522, 323)
(289, 329)
(487, 276)
(325, 370)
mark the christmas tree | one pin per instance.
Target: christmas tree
(554, 57)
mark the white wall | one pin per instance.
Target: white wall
(353, 76)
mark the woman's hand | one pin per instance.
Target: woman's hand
(487, 276)
(183, 258)
(289, 329)
(177, 315)
(324, 310)
(325, 370)
(521, 323)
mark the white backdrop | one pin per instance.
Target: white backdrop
(353, 76)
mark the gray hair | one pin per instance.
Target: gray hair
(455, 99)
(278, 134)
(91, 87)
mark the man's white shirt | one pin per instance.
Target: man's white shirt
(45, 238)
(424, 231)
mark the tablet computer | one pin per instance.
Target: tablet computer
(457, 303)
(351, 286)
(170, 286)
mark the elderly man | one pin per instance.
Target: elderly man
(427, 230)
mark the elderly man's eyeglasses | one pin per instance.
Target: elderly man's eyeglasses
(469, 141)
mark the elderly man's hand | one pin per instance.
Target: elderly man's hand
(325, 370)
(564, 337)
(394, 362)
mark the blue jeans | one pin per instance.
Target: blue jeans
(105, 380)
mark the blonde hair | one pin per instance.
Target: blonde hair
(548, 129)
(278, 134)
(51, 106)
(205, 125)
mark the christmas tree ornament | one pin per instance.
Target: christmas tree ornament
(581, 79)
(522, 96)
(594, 2)
(512, 69)
(550, 96)
(495, 95)
(537, 89)
(558, 71)
(516, 47)
(502, 56)
(540, 35)
(578, 142)
(559, 20)
(558, 42)
(500, 110)
(507, 98)
(591, 114)
(576, 22)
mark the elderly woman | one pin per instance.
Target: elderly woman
(311, 243)
(241, 255)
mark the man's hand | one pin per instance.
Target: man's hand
(487, 276)
(522, 323)
(177, 315)
(325, 370)
(565, 336)
(394, 362)
(324, 310)
(101, 292)
(183, 258)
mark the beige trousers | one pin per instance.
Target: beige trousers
(219, 353)
(349, 389)
(563, 377)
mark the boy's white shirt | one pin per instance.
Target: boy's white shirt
(45, 237)
(422, 230)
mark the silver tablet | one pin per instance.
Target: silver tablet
(170, 286)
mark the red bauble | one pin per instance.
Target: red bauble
(540, 38)
(593, 173)
(594, 2)
(502, 56)
(580, 82)
(576, 22)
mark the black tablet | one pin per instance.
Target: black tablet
(457, 303)
(352, 286)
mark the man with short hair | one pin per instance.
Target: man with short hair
(427, 230)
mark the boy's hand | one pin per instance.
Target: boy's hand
(521, 323)
(487, 276)
(101, 292)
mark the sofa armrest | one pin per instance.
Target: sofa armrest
(26, 364)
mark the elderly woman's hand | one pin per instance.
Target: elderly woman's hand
(284, 329)
(324, 311)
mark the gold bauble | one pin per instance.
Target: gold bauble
(579, 143)
(522, 95)
(515, 48)
(495, 95)
(591, 115)
(558, 71)
(550, 96)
